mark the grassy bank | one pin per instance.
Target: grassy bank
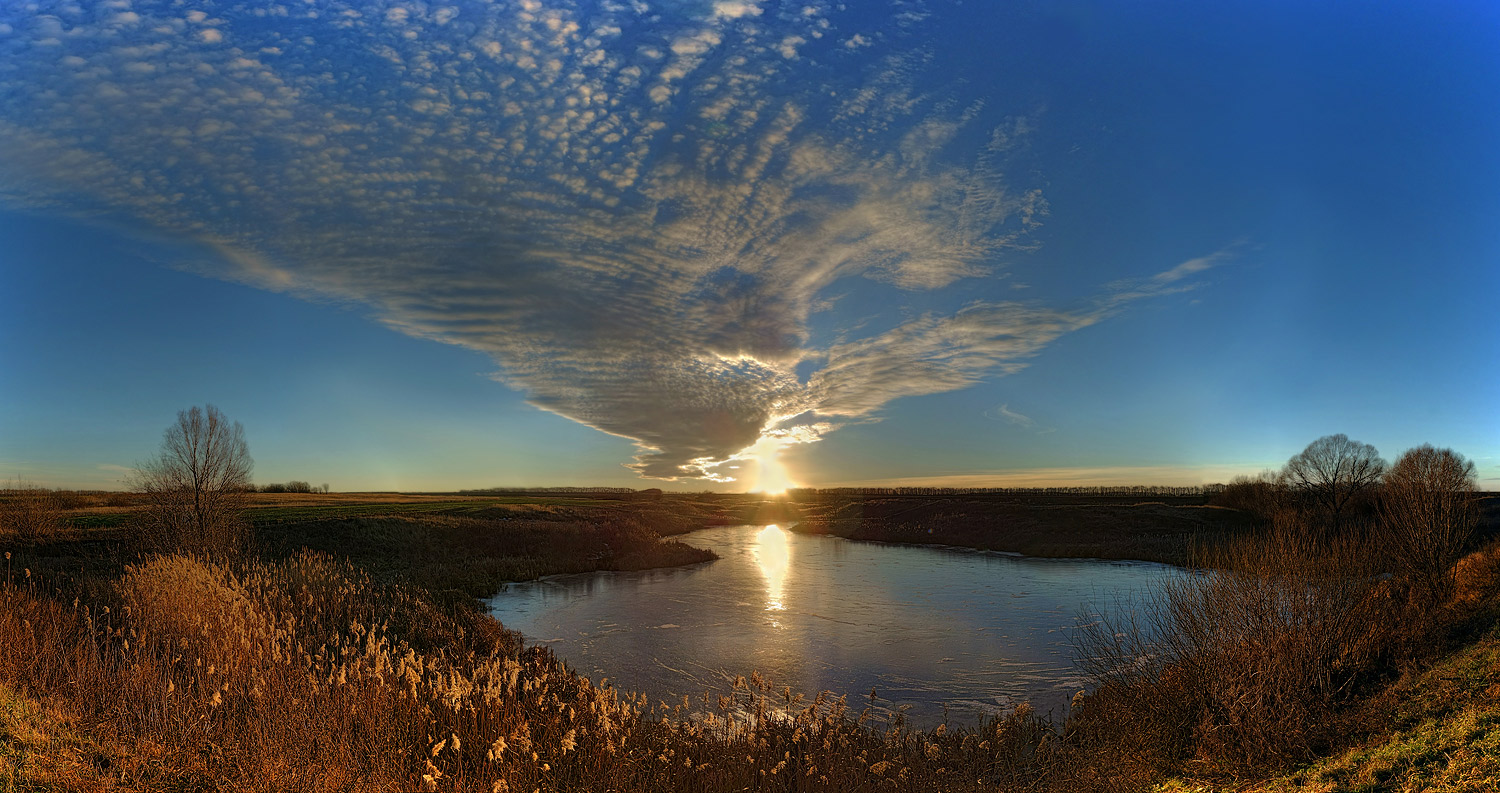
(349, 653)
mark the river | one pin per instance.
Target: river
(948, 633)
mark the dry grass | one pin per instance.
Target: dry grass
(30, 513)
(306, 675)
(1476, 577)
(300, 671)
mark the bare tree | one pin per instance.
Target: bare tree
(1332, 471)
(196, 486)
(1427, 509)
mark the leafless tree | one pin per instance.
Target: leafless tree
(1428, 511)
(1332, 471)
(196, 486)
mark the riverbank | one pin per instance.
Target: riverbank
(1156, 530)
(457, 543)
(349, 653)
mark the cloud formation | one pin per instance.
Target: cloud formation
(634, 209)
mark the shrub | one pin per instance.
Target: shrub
(1243, 661)
(1261, 496)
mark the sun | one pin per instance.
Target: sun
(772, 477)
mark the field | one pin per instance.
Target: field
(348, 651)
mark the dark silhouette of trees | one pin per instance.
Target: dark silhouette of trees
(1332, 472)
(1261, 496)
(1429, 514)
(196, 485)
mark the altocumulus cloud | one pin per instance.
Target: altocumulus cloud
(634, 209)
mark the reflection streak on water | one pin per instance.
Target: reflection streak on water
(924, 626)
(774, 555)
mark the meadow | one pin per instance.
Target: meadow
(346, 651)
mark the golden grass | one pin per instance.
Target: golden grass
(306, 675)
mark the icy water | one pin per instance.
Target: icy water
(928, 628)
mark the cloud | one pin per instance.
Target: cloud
(637, 214)
(1012, 416)
(734, 9)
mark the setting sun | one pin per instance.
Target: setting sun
(660, 397)
(772, 478)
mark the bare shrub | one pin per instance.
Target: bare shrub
(1261, 496)
(30, 512)
(1428, 512)
(1242, 661)
(196, 486)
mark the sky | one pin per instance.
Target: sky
(738, 244)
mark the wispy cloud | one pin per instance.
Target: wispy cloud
(635, 212)
(1004, 412)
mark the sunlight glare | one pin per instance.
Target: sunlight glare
(772, 477)
(774, 555)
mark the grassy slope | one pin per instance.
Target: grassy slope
(1443, 736)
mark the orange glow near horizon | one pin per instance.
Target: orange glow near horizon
(772, 478)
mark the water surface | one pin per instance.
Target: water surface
(930, 628)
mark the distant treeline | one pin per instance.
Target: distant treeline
(1074, 490)
(523, 490)
(294, 486)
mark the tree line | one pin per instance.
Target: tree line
(294, 486)
(1068, 490)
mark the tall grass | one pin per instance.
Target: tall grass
(306, 675)
(303, 672)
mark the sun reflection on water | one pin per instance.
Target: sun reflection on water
(773, 554)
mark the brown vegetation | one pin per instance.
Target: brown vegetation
(306, 675)
(1429, 515)
(1267, 651)
(31, 513)
(346, 654)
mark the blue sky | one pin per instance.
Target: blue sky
(428, 246)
